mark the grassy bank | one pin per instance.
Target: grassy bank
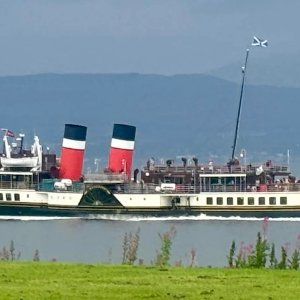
(22, 280)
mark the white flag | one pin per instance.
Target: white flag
(259, 42)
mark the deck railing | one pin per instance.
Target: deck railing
(190, 189)
(139, 188)
(220, 169)
(46, 186)
(104, 177)
(17, 185)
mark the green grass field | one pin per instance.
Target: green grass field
(40, 280)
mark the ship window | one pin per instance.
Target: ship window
(250, 200)
(229, 201)
(219, 201)
(261, 201)
(240, 200)
(17, 197)
(178, 180)
(168, 180)
(8, 197)
(209, 200)
(283, 200)
(272, 200)
(1, 196)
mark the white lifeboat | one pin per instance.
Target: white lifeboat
(19, 162)
(34, 161)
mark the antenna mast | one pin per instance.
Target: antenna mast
(240, 106)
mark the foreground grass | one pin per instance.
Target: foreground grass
(22, 280)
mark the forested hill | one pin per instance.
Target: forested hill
(175, 115)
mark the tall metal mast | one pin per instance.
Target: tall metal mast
(240, 106)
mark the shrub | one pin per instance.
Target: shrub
(130, 247)
(163, 256)
(231, 255)
(295, 260)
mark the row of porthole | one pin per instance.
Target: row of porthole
(8, 197)
(58, 198)
(187, 198)
(250, 201)
(131, 198)
(16, 197)
(240, 200)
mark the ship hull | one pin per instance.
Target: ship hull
(54, 211)
(98, 200)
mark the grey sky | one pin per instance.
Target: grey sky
(165, 36)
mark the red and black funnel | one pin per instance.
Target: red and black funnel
(121, 149)
(72, 152)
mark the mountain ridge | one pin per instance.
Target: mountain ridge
(183, 114)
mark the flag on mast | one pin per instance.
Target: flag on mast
(8, 132)
(259, 42)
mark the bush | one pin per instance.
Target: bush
(163, 256)
(130, 247)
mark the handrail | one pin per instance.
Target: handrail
(219, 169)
(142, 188)
(191, 189)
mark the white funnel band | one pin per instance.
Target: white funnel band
(73, 144)
(122, 144)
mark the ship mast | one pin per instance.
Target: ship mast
(240, 106)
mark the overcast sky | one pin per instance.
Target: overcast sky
(153, 36)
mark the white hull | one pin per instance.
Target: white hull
(271, 200)
(32, 202)
(39, 197)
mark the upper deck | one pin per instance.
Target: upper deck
(213, 177)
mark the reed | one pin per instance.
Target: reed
(9, 253)
(263, 254)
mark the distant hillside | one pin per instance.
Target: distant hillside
(277, 70)
(175, 115)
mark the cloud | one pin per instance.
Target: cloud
(170, 36)
(93, 17)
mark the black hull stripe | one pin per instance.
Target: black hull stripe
(45, 210)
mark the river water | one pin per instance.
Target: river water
(99, 240)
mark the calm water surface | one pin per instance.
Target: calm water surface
(100, 239)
